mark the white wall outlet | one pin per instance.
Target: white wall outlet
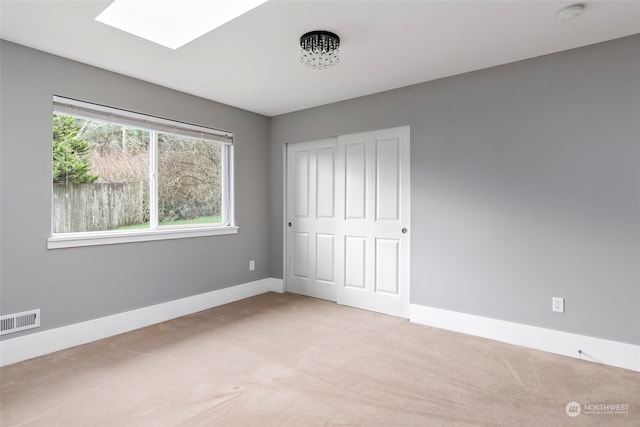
(252, 265)
(558, 304)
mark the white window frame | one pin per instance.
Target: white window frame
(153, 124)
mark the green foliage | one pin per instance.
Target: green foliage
(70, 164)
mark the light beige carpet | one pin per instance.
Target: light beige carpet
(287, 360)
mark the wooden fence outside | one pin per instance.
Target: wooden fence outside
(97, 206)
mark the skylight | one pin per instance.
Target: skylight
(173, 23)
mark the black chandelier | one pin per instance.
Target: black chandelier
(320, 49)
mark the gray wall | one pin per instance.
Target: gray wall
(78, 284)
(525, 184)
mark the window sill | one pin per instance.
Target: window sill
(73, 240)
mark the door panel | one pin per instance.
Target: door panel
(376, 194)
(325, 257)
(311, 213)
(325, 179)
(387, 266)
(355, 259)
(301, 255)
(387, 179)
(301, 183)
(355, 196)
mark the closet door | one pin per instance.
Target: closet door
(312, 218)
(374, 229)
(347, 219)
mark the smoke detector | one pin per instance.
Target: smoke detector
(571, 12)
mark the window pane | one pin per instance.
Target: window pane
(100, 176)
(189, 180)
(115, 170)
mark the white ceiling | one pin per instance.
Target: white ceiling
(252, 62)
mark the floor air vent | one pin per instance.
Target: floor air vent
(15, 322)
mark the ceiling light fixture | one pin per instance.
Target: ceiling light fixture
(320, 49)
(571, 12)
(172, 23)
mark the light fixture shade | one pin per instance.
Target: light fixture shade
(320, 49)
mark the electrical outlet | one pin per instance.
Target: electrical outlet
(558, 304)
(252, 265)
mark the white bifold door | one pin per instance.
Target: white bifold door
(347, 214)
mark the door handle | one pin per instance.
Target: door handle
(404, 230)
(289, 224)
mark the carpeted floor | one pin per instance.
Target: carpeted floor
(288, 360)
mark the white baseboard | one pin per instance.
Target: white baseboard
(40, 343)
(597, 350)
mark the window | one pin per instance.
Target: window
(120, 176)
